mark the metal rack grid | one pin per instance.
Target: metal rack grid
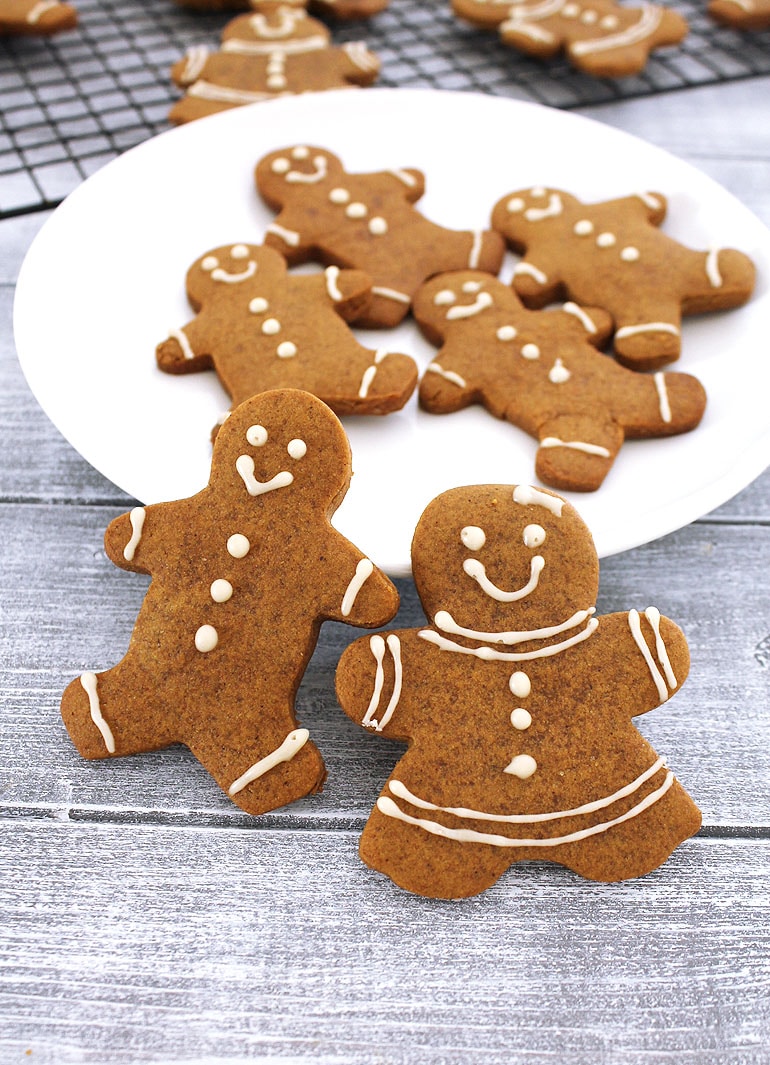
(70, 103)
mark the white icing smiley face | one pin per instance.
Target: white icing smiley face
(285, 166)
(257, 436)
(474, 538)
(240, 255)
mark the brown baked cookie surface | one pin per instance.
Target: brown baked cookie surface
(541, 371)
(274, 52)
(36, 17)
(261, 328)
(742, 14)
(613, 255)
(517, 702)
(365, 221)
(243, 575)
(599, 37)
(340, 9)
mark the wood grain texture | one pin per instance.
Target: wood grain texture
(224, 945)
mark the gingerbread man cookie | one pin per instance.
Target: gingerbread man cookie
(541, 371)
(613, 255)
(243, 574)
(261, 328)
(365, 221)
(599, 37)
(40, 17)
(517, 704)
(264, 55)
(340, 9)
(742, 14)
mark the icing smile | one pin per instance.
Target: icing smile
(477, 571)
(245, 466)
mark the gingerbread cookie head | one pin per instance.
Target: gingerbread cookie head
(281, 173)
(274, 24)
(235, 269)
(492, 560)
(294, 452)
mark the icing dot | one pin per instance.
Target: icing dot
(221, 590)
(356, 210)
(521, 718)
(589, 18)
(522, 766)
(280, 165)
(300, 152)
(515, 205)
(239, 251)
(558, 373)
(506, 332)
(609, 22)
(271, 326)
(378, 227)
(286, 350)
(210, 263)
(339, 196)
(520, 684)
(583, 227)
(570, 11)
(531, 351)
(256, 435)
(206, 638)
(258, 305)
(444, 297)
(238, 545)
(473, 537)
(533, 536)
(472, 286)
(605, 240)
(538, 191)
(276, 81)
(297, 449)
(629, 254)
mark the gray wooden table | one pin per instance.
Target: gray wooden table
(143, 918)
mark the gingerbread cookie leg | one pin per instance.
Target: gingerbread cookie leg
(577, 452)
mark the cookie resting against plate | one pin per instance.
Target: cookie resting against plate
(541, 371)
(517, 702)
(599, 37)
(741, 14)
(265, 55)
(613, 255)
(340, 9)
(36, 17)
(260, 327)
(365, 221)
(243, 574)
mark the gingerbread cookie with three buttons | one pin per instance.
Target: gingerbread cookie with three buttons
(613, 255)
(541, 371)
(243, 575)
(517, 702)
(365, 221)
(35, 17)
(264, 55)
(741, 14)
(260, 327)
(599, 37)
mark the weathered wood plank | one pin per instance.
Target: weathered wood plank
(136, 944)
(66, 608)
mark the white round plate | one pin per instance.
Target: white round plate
(103, 283)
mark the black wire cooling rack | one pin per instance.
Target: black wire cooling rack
(70, 103)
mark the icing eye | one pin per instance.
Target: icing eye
(280, 165)
(297, 449)
(239, 251)
(209, 263)
(531, 351)
(472, 286)
(444, 297)
(515, 205)
(473, 537)
(533, 536)
(300, 152)
(256, 435)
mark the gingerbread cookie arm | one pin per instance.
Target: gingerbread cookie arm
(370, 682)
(357, 65)
(184, 350)
(407, 181)
(649, 655)
(577, 451)
(129, 542)
(363, 595)
(348, 291)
